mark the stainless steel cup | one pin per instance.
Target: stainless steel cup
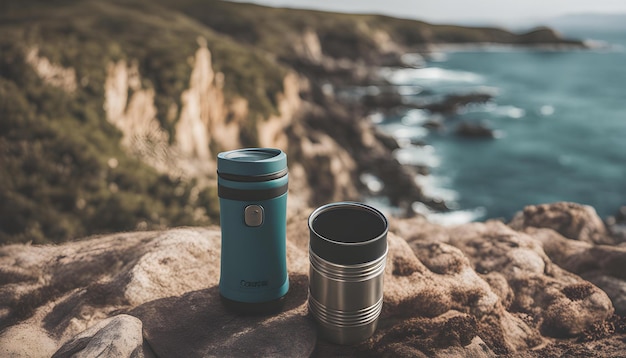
(347, 250)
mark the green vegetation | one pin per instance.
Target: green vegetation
(55, 181)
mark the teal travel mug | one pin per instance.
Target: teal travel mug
(252, 190)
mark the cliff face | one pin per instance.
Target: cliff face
(207, 122)
(52, 74)
(148, 94)
(135, 115)
(204, 111)
(205, 119)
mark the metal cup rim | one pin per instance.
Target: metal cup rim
(348, 204)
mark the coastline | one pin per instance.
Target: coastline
(393, 111)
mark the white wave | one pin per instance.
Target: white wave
(410, 133)
(510, 111)
(401, 132)
(382, 203)
(546, 110)
(376, 117)
(603, 46)
(372, 182)
(407, 76)
(499, 134)
(458, 217)
(434, 187)
(413, 59)
(451, 218)
(437, 57)
(410, 90)
(419, 156)
(415, 117)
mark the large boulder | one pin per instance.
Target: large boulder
(64, 296)
(602, 265)
(479, 289)
(572, 220)
(475, 130)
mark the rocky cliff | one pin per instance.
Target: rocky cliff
(481, 290)
(131, 101)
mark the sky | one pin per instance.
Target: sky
(500, 12)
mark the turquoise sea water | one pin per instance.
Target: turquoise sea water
(560, 119)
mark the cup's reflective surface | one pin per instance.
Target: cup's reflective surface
(347, 264)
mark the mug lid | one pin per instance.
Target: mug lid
(252, 161)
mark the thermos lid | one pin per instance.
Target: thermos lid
(252, 162)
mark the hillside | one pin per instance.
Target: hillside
(111, 111)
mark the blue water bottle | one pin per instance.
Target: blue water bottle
(252, 189)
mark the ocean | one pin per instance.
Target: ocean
(559, 119)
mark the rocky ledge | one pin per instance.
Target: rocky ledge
(550, 283)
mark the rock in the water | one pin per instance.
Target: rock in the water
(474, 130)
(574, 221)
(452, 103)
(119, 336)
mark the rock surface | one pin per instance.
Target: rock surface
(474, 130)
(574, 221)
(118, 336)
(479, 289)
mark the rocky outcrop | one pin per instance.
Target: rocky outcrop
(575, 238)
(201, 104)
(546, 36)
(572, 220)
(166, 279)
(203, 118)
(452, 103)
(319, 134)
(474, 130)
(118, 336)
(308, 47)
(52, 74)
(271, 131)
(480, 289)
(207, 122)
(135, 116)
